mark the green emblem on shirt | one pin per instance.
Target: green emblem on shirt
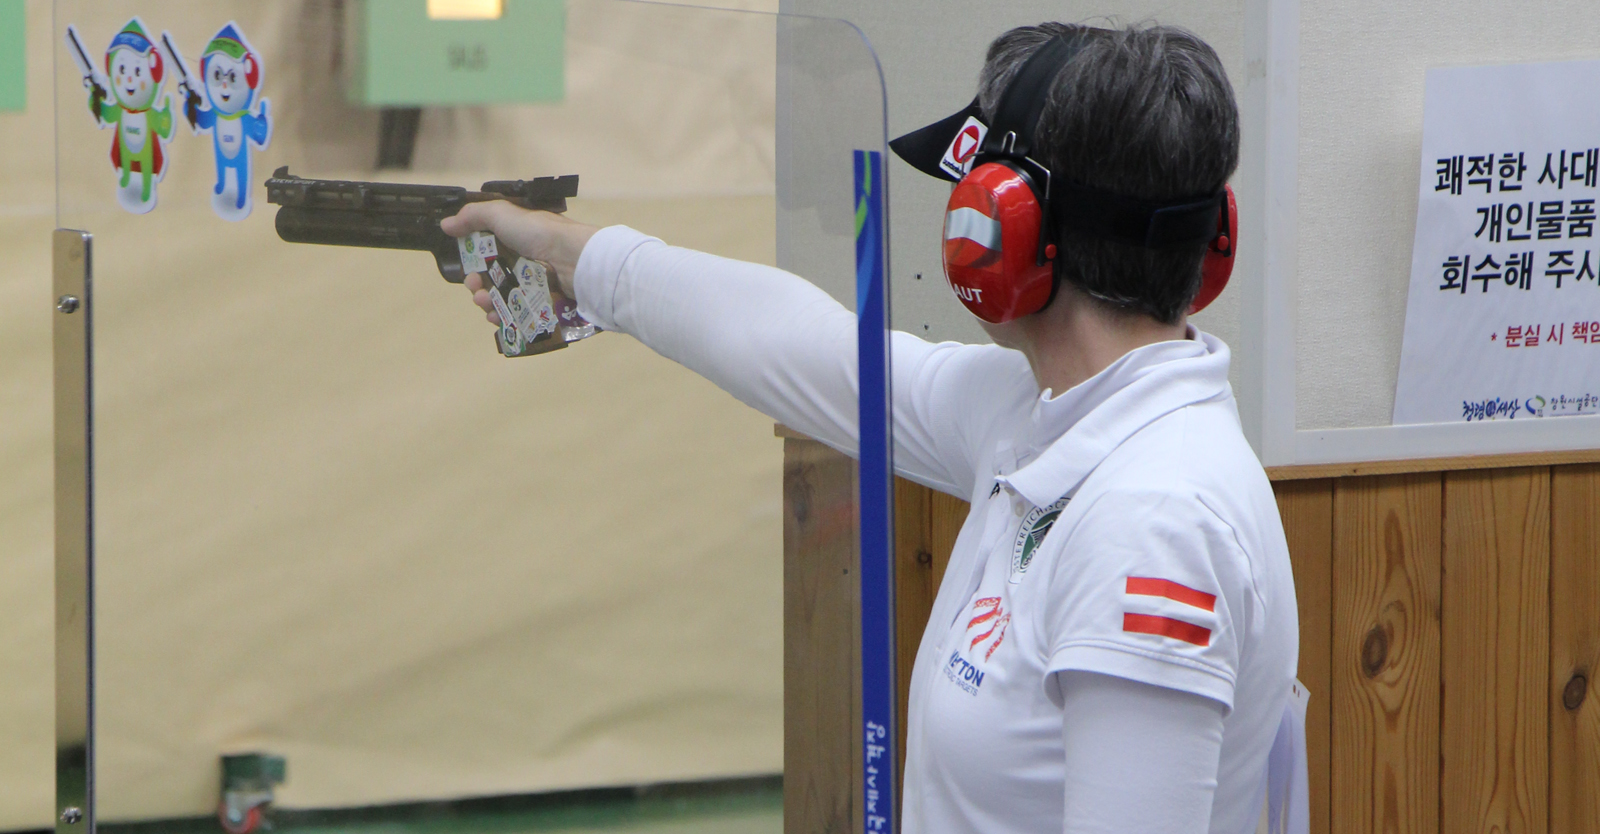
(1030, 535)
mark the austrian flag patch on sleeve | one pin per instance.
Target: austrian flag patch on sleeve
(1164, 608)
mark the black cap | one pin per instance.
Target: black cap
(1151, 224)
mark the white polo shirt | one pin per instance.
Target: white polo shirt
(1124, 527)
(1140, 542)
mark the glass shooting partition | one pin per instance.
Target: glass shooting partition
(331, 523)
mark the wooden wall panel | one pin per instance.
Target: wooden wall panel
(949, 513)
(1385, 753)
(821, 643)
(926, 525)
(1495, 664)
(914, 588)
(1307, 511)
(1450, 633)
(1574, 649)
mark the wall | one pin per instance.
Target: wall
(1359, 133)
(321, 534)
(27, 211)
(1361, 80)
(1449, 638)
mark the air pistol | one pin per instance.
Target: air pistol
(535, 317)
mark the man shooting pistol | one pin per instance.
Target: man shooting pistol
(535, 314)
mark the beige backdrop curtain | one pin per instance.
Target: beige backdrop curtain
(311, 540)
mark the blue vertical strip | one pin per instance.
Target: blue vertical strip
(876, 481)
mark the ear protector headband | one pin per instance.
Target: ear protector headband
(998, 247)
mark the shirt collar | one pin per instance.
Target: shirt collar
(1092, 418)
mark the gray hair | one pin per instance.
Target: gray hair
(1146, 112)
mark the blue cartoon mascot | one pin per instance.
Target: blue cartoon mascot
(234, 114)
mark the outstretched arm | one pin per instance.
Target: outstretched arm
(769, 338)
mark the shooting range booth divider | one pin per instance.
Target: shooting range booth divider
(1449, 636)
(262, 457)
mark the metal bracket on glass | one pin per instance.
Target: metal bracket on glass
(74, 568)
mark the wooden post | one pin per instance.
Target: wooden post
(1307, 511)
(821, 648)
(914, 590)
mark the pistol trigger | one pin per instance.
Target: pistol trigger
(449, 261)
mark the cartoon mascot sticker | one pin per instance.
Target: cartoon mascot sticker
(234, 114)
(138, 109)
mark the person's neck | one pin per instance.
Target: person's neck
(1075, 338)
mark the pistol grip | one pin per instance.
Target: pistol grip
(449, 260)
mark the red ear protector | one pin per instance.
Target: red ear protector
(1218, 265)
(997, 254)
(991, 244)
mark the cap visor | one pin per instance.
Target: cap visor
(924, 147)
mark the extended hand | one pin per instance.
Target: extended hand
(541, 235)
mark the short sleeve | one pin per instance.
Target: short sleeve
(1151, 587)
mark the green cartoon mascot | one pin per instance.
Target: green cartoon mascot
(140, 112)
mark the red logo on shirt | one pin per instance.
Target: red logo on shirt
(1163, 626)
(992, 621)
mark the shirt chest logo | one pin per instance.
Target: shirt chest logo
(986, 630)
(962, 673)
(1030, 536)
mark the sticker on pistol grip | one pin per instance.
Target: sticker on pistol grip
(533, 292)
(476, 249)
(511, 335)
(509, 341)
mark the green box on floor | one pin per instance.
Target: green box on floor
(407, 59)
(13, 55)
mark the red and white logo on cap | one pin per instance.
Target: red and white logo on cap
(957, 160)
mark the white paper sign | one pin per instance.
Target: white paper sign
(1503, 316)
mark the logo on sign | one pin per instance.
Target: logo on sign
(957, 160)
